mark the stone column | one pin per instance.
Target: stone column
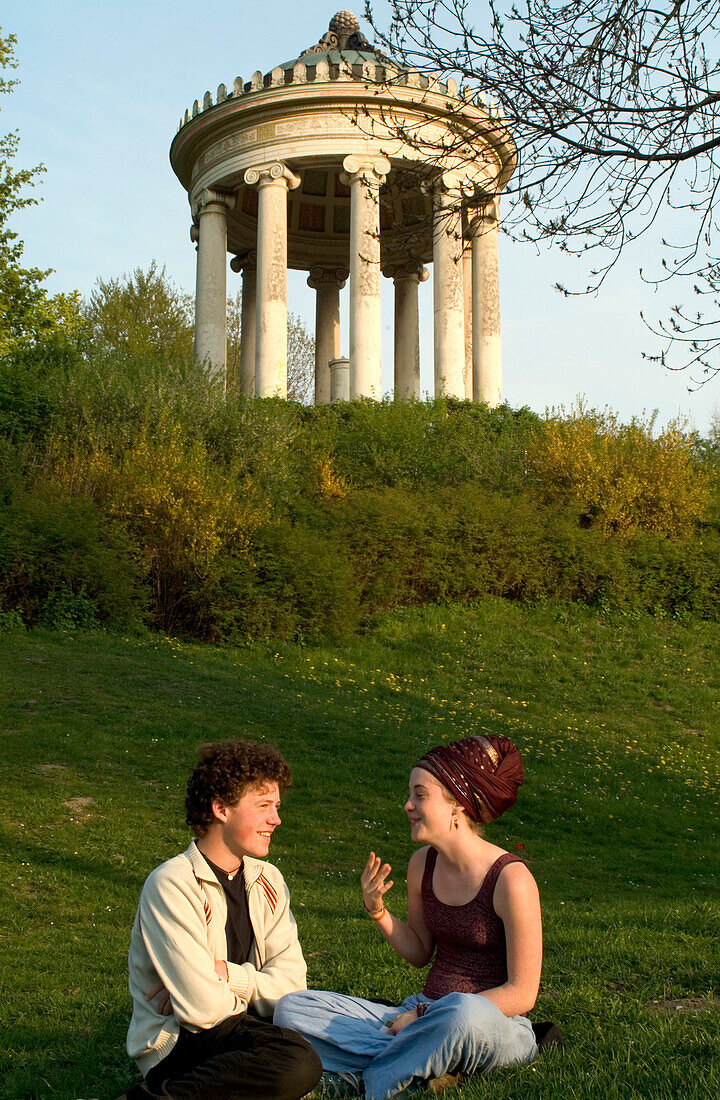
(273, 182)
(468, 313)
(365, 176)
(339, 370)
(247, 264)
(327, 282)
(449, 324)
(210, 211)
(407, 276)
(487, 351)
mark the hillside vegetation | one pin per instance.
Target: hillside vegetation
(134, 491)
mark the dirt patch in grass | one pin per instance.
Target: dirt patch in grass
(685, 1004)
(81, 807)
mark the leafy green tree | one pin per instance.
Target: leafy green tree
(142, 316)
(27, 312)
(301, 361)
(138, 366)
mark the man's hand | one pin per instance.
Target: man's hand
(402, 1021)
(164, 1005)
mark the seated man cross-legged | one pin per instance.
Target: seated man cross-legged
(214, 946)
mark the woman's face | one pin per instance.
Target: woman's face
(428, 807)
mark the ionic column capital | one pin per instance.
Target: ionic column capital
(370, 170)
(334, 277)
(209, 201)
(243, 261)
(483, 216)
(445, 187)
(274, 173)
(406, 269)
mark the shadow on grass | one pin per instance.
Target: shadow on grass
(66, 1064)
(75, 864)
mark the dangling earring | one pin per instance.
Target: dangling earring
(455, 824)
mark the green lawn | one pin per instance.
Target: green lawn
(618, 725)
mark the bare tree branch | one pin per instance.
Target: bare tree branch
(613, 106)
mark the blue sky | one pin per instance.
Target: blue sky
(103, 87)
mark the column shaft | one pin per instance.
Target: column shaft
(406, 275)
(327, 283)
(248, 326)
(327, 338)
(339, 379)
(211, 279)
(365, 179)
(487, 349)
(273, 182)
(407, 337)
(468, 312)
(271, 303)
(449, 326)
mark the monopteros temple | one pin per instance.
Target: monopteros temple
(346, 166)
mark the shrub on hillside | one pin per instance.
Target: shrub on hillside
(57, 551)
(440, 442)
(621, 478)
(179, 509)
(269, 443)
(296, 584)
(264, 518)
(669, 577)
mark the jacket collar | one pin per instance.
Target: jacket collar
(252, 868)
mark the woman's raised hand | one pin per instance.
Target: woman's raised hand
(374, 886)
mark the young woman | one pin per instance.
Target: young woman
(472, 908)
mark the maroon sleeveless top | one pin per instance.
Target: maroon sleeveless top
(470, 954)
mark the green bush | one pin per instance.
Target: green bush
(434, 443)
(61, 552)
(295, 584)
(672, 576)
(11, 622)
(67, 610)
(623, 478)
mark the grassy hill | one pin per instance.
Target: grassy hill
(617, 722)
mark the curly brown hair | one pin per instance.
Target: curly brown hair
(224, 771)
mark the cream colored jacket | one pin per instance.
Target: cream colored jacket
(179, 932)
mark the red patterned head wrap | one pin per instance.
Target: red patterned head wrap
(482, 773)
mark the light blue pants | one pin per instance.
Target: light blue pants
(459, 1033)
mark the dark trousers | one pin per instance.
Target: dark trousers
(241, 1058)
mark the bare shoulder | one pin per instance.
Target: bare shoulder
(515, 884)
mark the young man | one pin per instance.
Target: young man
(214, 945)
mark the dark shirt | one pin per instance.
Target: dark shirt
(238, 929)
(470, 952)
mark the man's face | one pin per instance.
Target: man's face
(248, 825)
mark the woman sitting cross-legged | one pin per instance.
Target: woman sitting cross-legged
(472, 906)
